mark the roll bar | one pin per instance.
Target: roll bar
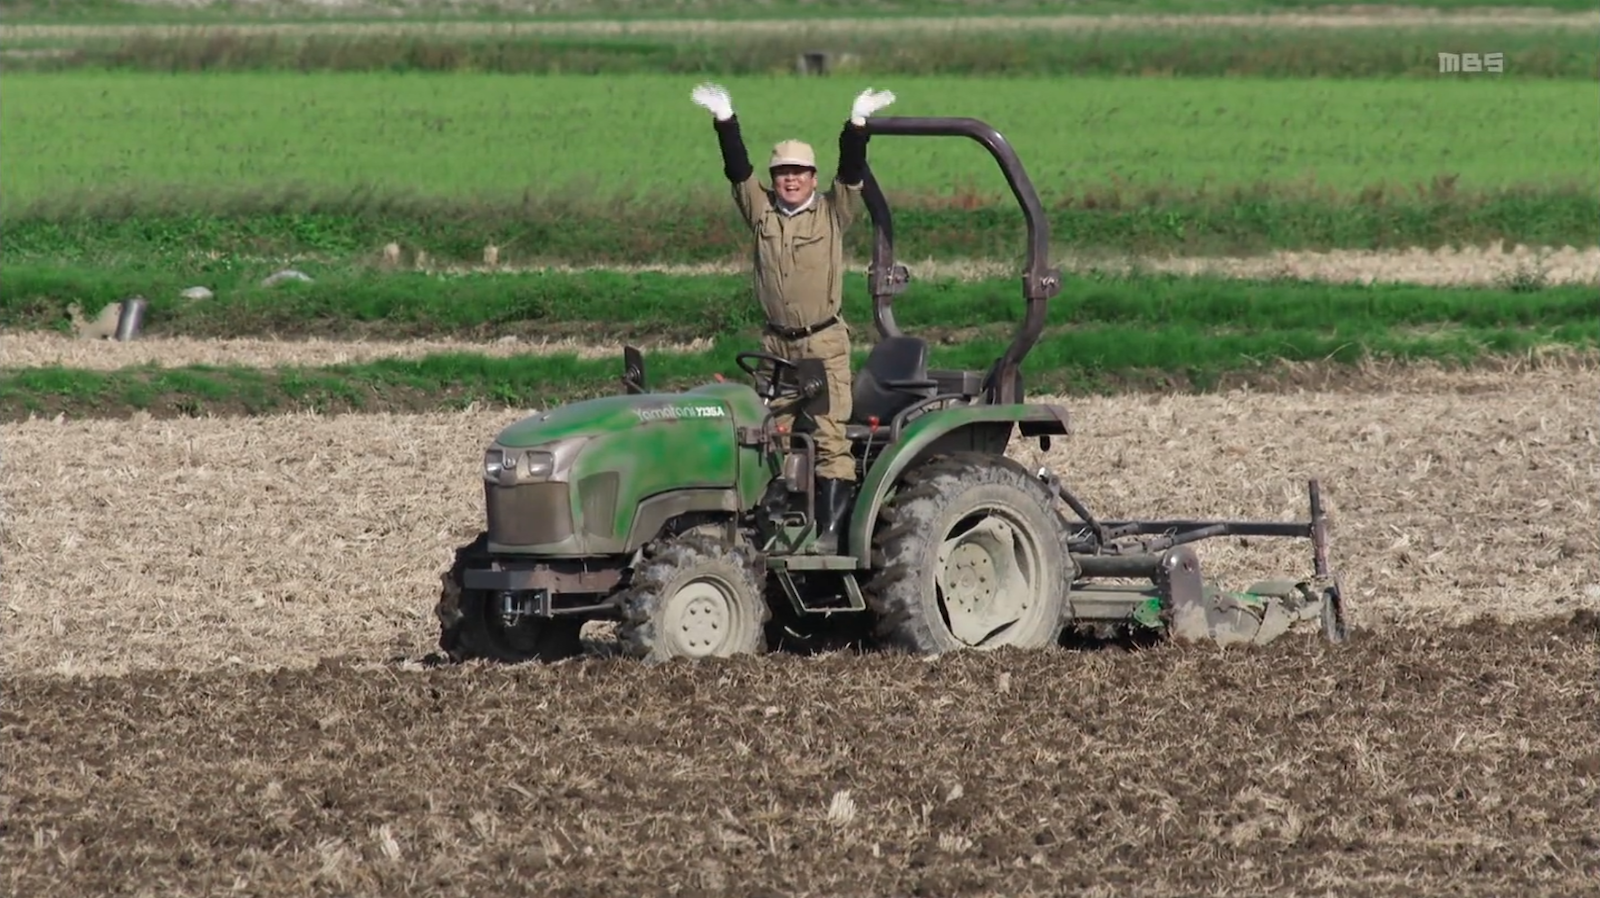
(886, 278)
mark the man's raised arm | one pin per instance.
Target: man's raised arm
(747, 192)
(846, 190)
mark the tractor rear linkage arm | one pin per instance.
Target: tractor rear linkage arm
(1101, 556)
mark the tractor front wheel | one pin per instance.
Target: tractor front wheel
(969, 554)
(695, 596)
(471, 626)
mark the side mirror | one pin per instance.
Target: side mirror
(632, 370)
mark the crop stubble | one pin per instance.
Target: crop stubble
(34, 349)
(1441, 267)
(282, 540)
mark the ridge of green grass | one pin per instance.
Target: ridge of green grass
(199, 232)
(599, 305)
(1073, 361)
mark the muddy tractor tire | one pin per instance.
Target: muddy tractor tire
(471, 628)
(970, 554)
(695, 596)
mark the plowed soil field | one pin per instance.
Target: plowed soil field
(212, 628)
(1456, 762)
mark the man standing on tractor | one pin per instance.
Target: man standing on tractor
(799, 276)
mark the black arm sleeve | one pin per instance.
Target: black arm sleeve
(735, 161)
(852, 155)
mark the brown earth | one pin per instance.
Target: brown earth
(211, 631)
(257, 542)
(1460, 762)
(38, 349)
(1490, 265)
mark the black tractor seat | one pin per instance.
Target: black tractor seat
(895, 376)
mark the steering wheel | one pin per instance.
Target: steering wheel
(745, 362)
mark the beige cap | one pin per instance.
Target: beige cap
(793, 152)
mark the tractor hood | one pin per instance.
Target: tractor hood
(576, 479)
(614, 415)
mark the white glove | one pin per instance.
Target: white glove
(714, 97)
(867, 102)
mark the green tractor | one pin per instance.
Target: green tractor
(690, 520)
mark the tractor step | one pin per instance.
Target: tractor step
(785, 567)
(812, 562)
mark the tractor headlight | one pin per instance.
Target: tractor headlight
(537, 465)
(517, 465)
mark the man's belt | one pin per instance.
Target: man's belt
(800, 333)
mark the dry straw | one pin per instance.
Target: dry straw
(281, 540)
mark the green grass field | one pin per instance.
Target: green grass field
(215, 157)
(485, 135)
(548, 166)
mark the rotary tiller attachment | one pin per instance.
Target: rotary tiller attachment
(1175, 598)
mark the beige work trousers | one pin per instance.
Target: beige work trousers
(832, 346)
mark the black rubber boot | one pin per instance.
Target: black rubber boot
(833, 506)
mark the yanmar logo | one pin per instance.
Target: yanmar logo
(675, 412)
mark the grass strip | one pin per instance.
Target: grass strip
(200, 233)
(597, 306)
(1098, 359)
(1020, 51)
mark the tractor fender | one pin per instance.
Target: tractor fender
(978, 428)
(654, 512)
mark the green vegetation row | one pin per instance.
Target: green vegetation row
(198, 235)
(601, 305)
(1077, 361)
(619, 140)
(1260, 52)
(113, 11)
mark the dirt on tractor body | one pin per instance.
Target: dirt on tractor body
(1459, 761)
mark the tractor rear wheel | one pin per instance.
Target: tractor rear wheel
(969, 554)
(695, 596)
(472, 627)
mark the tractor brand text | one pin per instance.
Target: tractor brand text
(673, 412)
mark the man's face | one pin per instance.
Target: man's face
(793, 183)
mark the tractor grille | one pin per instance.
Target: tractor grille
(532, 514)
(598, 495)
